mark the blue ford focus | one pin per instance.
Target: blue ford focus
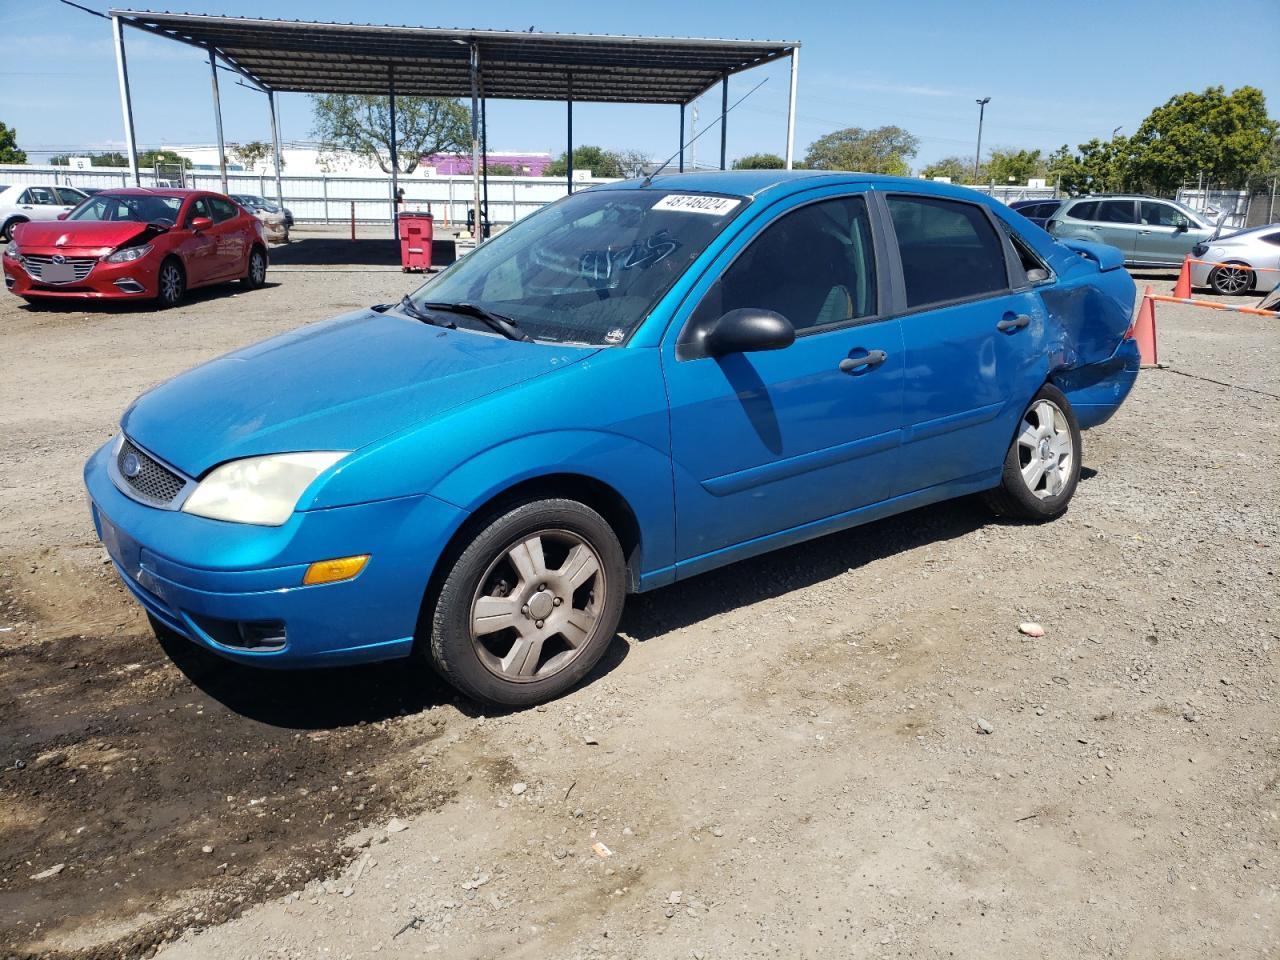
(634, 385)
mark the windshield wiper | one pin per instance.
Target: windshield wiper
(495, 321)
(411, 308)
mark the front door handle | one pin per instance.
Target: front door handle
(1011, 322)
(870, 361)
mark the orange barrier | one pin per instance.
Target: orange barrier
(1144, 329)
(1237, 266)
(1209, 304)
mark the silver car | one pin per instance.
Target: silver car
(1245, 262)
(1149, 231)
(29, 201)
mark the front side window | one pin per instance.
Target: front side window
(222, 209)
(129, 207)
(1163, 215)
(1115, 211)
(199, 208)
(70, 196)
(814, 265)
(586, 269)
(949, 250)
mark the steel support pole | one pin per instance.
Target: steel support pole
(724, 122)
(217, 115)
(484, 157)
(275, 147)
(791, 108)
(977, 157)
(680, 142)
(395, 155)
(475, 139)
(126, 101)
(568, 173)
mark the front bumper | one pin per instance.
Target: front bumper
(106, 281)
(236, 589)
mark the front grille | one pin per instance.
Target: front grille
(151, 481)
(34, 265)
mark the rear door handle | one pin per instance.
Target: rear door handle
(870, 361)
(1011, 322)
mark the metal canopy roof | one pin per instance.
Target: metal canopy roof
(292, 56)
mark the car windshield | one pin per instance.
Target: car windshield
(129, 207)
(588, 268)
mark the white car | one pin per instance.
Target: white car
(28, 201)
(1245, 262)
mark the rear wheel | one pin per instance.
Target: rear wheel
(256, 274)
(1231, 279)
(1042, 465)
(6, 232)
(530, 605)
(171, 284)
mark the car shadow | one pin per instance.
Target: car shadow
(191, 298)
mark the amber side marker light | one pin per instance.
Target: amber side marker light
(331, 571)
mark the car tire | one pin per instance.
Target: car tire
(256, 271)
(171, 283)
(1042, 466)
(529, 605)
(1231, 280)
(6, 232)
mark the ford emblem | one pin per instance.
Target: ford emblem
(131, 466)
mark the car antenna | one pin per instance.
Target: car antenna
(649, 179)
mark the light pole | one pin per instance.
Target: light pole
(977, 157)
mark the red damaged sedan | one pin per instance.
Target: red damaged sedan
(137, 244)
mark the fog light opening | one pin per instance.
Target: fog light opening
(332, 571)
(130, 285)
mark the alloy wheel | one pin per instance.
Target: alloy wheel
(1230, 280)
(538, 605)
(170, 283)
(257, 268)
(1045, 449)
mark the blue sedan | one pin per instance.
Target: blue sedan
(636, 384)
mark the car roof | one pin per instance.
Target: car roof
(753, 183)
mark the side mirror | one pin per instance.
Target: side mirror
(63, 215)
(748, 330)
(200, 223)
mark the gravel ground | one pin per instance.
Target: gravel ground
(786, 758)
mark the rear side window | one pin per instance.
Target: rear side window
(39, 196)
(814, 265)
(1084, 211)
(199, 208)
(1116, 211)
(222, 209)
(949, 250)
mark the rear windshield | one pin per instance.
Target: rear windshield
(129, 207)
(588, 268)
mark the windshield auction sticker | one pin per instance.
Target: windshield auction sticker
(697, 203)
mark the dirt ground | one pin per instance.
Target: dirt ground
(779, 759)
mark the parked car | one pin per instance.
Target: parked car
(1149, 232)
(1245, 262)
(23, 202)
(1037, 211)
(256, 204)
(136, 244)
(636, 384)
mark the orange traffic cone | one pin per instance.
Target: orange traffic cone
(1144, 329)
(1182, 288)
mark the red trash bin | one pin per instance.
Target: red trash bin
(415, 241)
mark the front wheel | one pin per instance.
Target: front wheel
(256, 274)
(1230, 279)
(1042, 465)
(171, 284)
(530, 605)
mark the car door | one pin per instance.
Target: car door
(1167, 233)
(769, 441)
(1117, 224)
(40, 203)
(972, 331)
(198, 247)
(228, 235)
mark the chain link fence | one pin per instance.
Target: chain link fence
(1254, 205)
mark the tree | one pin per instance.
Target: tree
(1222, 136)
(60, 160)
(601, 163)
(500, 169)
(1101, 166)
(958, 169)
(149, 158)
(111, 158)
(250, 154)
(1014, 166)
(361, 124)
(760, 161)
(882, 150)
(9, 152)
(633, 161)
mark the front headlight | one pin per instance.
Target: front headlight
(262, 490)
(12, 249)
(128, 254)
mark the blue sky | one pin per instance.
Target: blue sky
(1063, 78)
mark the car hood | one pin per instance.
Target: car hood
(336, 385)
(48, 235)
